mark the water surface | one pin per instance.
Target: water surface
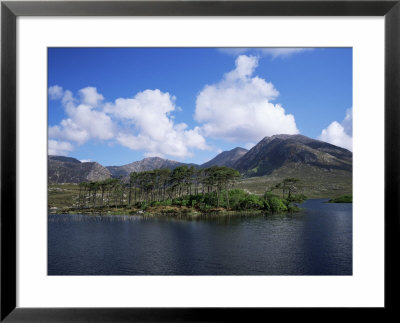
(317, 241)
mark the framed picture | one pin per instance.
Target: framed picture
(120, 119)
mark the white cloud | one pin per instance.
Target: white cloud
(83, 122)
(143, 123)
(153, 154)
(85, 160)
(274, 52)
(59, 147)
(340, 134)
(69, 130)
(245, 66)
(238, 108)
(283, 52)
(347, 123)
(89, 96)
(55, 92)
(96, 123)
(151, 127)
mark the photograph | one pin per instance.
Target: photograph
(199, 161)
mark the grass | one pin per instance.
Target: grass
(62, 195)
(314, 183)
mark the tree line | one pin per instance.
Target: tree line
(158, 185)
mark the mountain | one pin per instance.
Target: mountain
(70, 170)
(65, 159)
(226, 158)
(293, 151)
(145, 164)
(324, 170)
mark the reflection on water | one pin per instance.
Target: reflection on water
(317, 241)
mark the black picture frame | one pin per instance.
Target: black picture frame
(10, 10)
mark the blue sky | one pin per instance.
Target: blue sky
(119, 105)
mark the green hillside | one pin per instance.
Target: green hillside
(315, 182)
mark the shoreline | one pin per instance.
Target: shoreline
(183, 213)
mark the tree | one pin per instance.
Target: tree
(164, 175)
(290, 185)
(103, 188)
(82, 193)
(221, 177)
(161, 184)
(94, 186)
(132, 183)
(177, 179)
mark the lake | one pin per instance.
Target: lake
(317, 241)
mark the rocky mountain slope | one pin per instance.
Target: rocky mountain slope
(324, 169)
(145, 164)
(226, 158)
(70, 170)
(293, 151)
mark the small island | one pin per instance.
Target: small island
(184, 191)
(342, 199)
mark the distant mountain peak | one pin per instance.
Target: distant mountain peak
(154, 158)
(277, 151)
(285, 137)
(64, 159)
(63, 169)
(146, 164)
(239, 148)
(226, 158)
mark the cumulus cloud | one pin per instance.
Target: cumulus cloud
(347, 123)
(152, 127)
(238, 108)
(55, 92)
(340, 134)
(274, 52)
(143, 122)
(69, 130)
(84, 122)
(90, 96)
(59, 147)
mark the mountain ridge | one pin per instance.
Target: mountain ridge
(226, 158)
(268, 156)
(274, 152)
(63, 169)
(146, 164)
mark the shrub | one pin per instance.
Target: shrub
(167, 202)
(267, 207)
(298, 198)
(276, 205)
(251, 202)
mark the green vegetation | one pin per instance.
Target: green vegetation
(314, 182)
(184, 190)
(62, 195)
(342, 199)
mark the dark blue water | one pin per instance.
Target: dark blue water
(316, 242)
